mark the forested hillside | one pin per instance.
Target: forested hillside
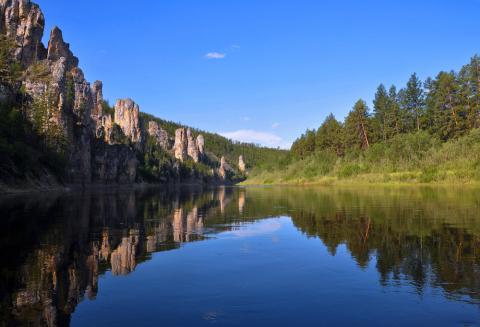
(426, 131)
(254, 154)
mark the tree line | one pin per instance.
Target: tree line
(446, 107)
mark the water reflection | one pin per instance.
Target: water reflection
(55, 247)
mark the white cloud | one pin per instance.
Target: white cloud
(262, 138)
(246, 118)
(265, 227)
(275, 125)
(215, 55)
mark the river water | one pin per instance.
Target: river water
(258, 256)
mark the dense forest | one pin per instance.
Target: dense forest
(426, 131)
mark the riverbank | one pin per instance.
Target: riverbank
(397, 178)
(406, 159)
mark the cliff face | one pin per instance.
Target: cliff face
(127, 117)
(159, 135)
(99, 146)
(23, 22)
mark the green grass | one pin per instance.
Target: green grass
(410, 158)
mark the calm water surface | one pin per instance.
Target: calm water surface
(242, 257)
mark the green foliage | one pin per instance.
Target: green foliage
(421, 133)
(358, 127)
(10, 70)
(26, 146)
(155, 164)
(218, 146)
(349, 170)
(107, 108)
(414, 157)
(412, 104)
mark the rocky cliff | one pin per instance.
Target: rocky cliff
(100, 144)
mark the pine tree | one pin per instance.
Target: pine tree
(469, 91)
(412, 101)
(394, 111)
(381, 106)
(357, 127)
(447, 113)
(330, 136)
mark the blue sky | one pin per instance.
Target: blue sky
(261, 70)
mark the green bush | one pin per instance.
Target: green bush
(349, 170)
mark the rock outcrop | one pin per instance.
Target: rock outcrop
(127, 117)
(99, 147)
(201, 146)
(181, 144)
(159, 134)
(104, 130)
(241, 164)
(192, 148)
(224, 169)
(97, 99)
(57, 48)
(23, 22)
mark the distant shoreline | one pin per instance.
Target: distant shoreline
(393, 179)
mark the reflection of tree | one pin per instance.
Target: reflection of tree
(56, 247)
(407, 244)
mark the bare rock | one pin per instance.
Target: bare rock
(57, 48)
(105, 129)
(241, 164)
(97, 108)
(181, 144)
(23, 21)
(201, 146)
(159, 134)
(83, 104)
(192, 149)
(224, 169)
(127, 117)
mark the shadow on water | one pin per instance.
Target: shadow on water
(55, 246)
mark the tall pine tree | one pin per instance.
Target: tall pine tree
(381, 106)
(412, 101)
(357, 126)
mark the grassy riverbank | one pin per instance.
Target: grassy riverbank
(406, 159)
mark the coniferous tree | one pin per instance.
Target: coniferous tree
(469, 91)
(412, 101)
(330, 136)
(357, 126)
(394, 110)
(445, 111)
(381, 106)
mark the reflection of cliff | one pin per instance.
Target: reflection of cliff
(57, 247)
(82, 238)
